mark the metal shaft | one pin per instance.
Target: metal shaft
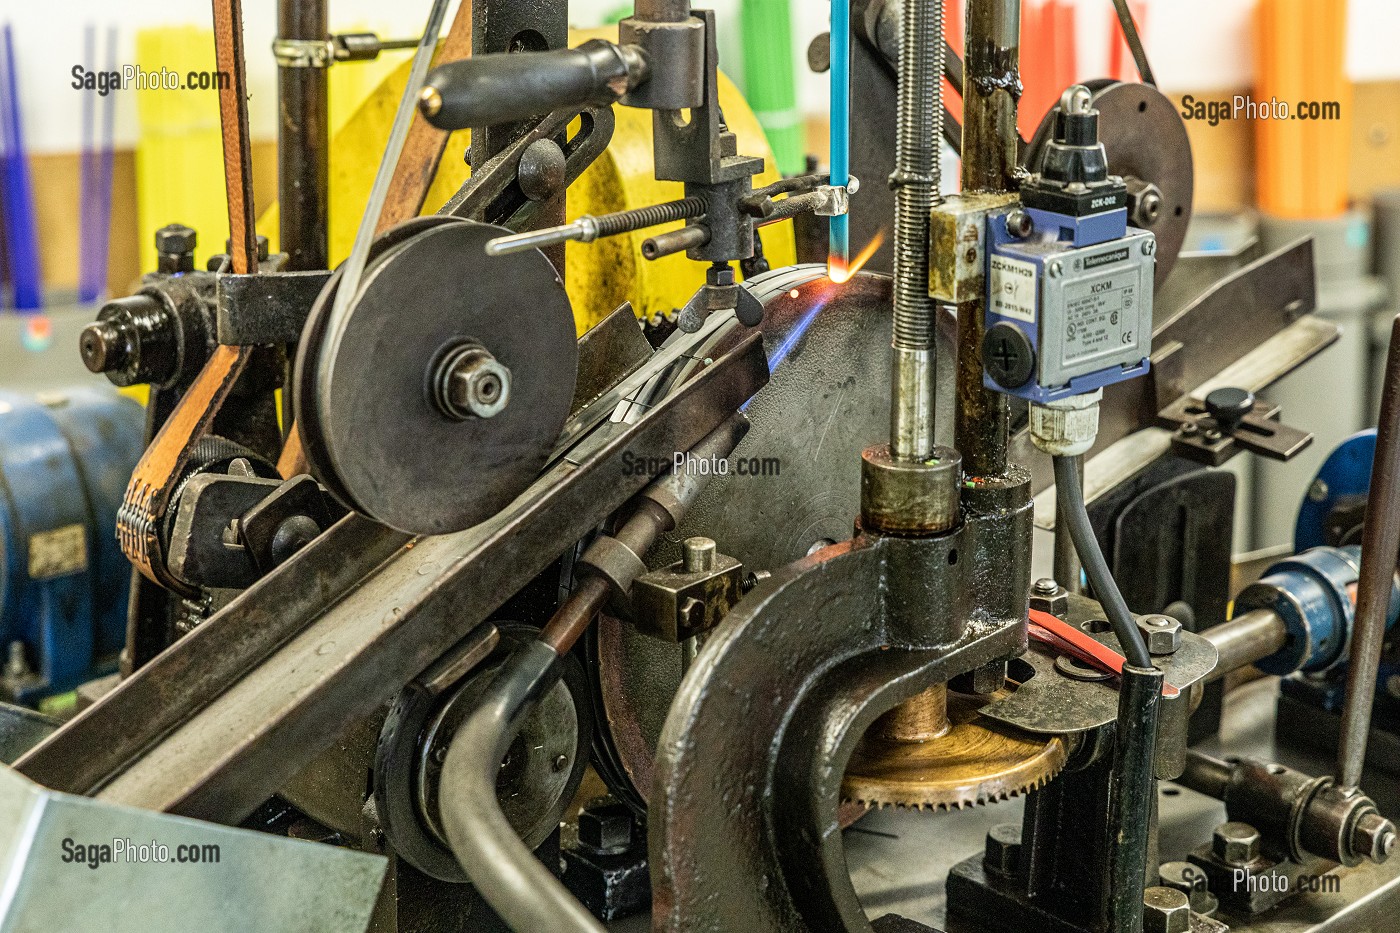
(991, 89)
(916, 181)
(1245, 639)
(1380, 542)
(302, 142)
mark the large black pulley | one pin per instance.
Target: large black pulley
(439, 393)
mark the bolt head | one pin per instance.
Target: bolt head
(1318, 490)
(1019, 224)
(175, 239)
(1003, 852)
(479, 385)
(1165, 910)
(1235, 843)
(1056, 269)
(1149, 248)
(1163, 633)
(698, 554)
(605, 826)
(1045, 586)
(1374, 836)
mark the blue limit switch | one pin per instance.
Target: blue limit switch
(1069, 283)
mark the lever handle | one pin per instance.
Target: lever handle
(492, 89)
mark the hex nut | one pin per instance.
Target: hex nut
(1003, 853)
(1165, 910)
(1235, 843)
(1163, 633)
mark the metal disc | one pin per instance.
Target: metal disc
(388, 448)
(827, 400)
(1144, 137)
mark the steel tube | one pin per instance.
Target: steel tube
(1206, 775)
(1380, 542)
(1245, 639)
(991, 89)
(303, 143)
(916, 180)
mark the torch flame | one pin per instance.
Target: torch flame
(840, 273)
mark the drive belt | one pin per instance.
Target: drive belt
(157, 474)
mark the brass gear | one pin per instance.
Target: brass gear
(920, 757)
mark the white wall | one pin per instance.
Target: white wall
(1193, 44)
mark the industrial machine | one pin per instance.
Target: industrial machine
(513, 627)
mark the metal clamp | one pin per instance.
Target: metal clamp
(1216, 429)
(303, 53)
(689, 597)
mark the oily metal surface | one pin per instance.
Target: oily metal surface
(827, 400)
(1144, 138)
(398, 458)
(975, 761)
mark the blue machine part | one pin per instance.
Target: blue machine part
(1345, 474)
(1079, 291)
(1314, 594)
(65, 460)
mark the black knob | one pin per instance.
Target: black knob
(104, 347)
(1228, 407)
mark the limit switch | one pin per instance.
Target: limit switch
(1069, 283)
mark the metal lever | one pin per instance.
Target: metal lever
(492, 89)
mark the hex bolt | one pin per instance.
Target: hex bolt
(698, 554)
(1163, 633)
(1045, 586)
(175, 248)
(1235, 843)
(1003, 853)
(1165, 910)
(605, 826)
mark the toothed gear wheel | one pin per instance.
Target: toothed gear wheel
(911, 759)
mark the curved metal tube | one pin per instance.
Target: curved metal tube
(520, 888)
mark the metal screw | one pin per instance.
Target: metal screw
(560, 762)
(1235, 843)
(1165, 910)
(1212, 434)
(1045, 586)
(1318, 490)
(1056, 269)
(1149, 247)
(1189, 429)
(1019, 224)
(1163, 633)
(698, 554)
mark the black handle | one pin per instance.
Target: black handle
(492, 89)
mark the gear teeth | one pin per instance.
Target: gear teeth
(947, 806)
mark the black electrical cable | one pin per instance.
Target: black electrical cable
(1134, 40)
(1071, 496)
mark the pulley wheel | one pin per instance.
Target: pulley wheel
(380, 401)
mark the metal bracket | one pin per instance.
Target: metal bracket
(958, 242)
(1202, 438)
(674, 604)
(265, 307)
